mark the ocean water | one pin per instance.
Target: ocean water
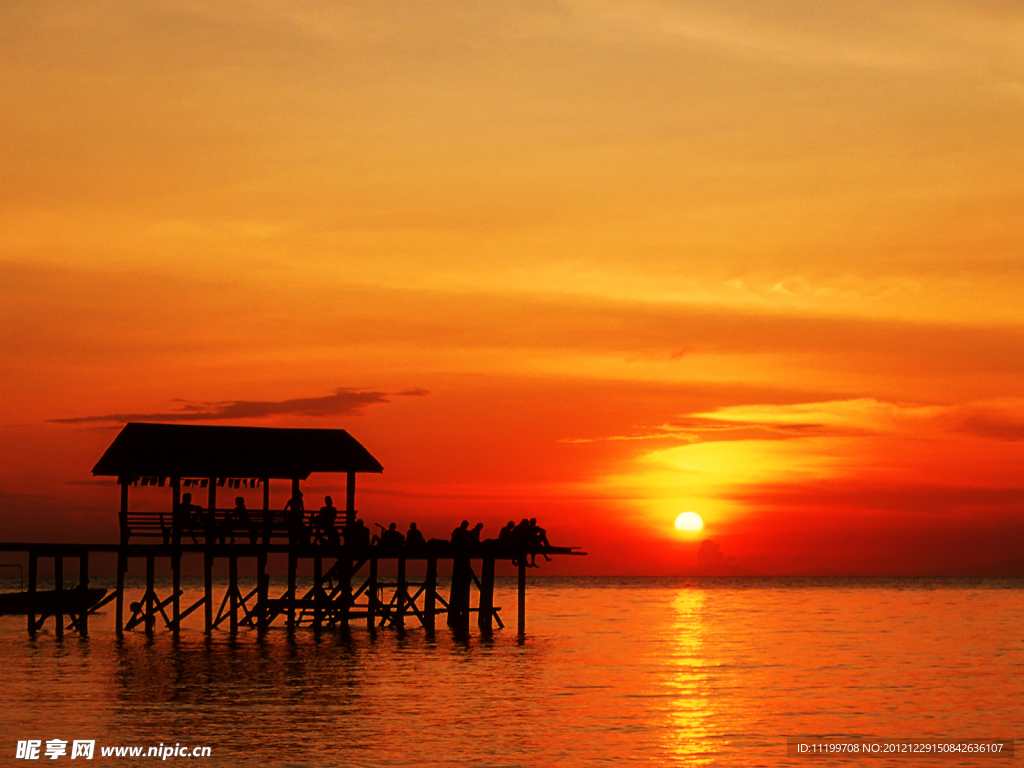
(610, 672)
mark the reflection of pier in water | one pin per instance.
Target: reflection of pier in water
(347, 582)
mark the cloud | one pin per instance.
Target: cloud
(344, 401)
(781, 422)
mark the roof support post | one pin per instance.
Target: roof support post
(350, 499)
(211, 520)
(125, 533)
(268, 518)
(176, 516)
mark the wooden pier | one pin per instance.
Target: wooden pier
(348, 583)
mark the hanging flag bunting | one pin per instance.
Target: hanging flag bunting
(161, 482)
(220, 482)
(202, 483)
(145, 481)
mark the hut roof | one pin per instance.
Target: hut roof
(187, 450)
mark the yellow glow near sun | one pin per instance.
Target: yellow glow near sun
(689, 521)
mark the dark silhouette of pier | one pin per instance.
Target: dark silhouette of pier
(347, 581)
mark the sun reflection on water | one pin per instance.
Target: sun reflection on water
(691, 709)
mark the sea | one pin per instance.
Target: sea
(610, 671)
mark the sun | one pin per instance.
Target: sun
(689, 521)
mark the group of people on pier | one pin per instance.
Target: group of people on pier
(519, 540)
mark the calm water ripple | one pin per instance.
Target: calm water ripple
(613, 671)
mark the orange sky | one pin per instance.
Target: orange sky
(595, 262)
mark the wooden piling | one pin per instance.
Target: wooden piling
(262, 592)
(83, 584)
(58, 586)
(176, 587)
(122, 567)
(150, 595)
(401, 594)
(372, 609)
(318, 593)
(33, 568)
(522, 595)
(458, 602)
(233, 592)
(430, 595)
(345, 590)
(208, 587)
(486, 596)
(292, 596)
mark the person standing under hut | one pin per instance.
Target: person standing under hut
(295, 513)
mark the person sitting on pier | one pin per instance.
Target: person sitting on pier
(460, 536)
(414, 540)
(190, 516)
(540, 540)
(473, 536)
(507, 535)
(357, 535)
(295, 513)
(524, 541)
(323, 528)
(389, 539)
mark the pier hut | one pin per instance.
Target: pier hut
(200, 463)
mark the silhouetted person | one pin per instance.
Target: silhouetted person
(238, 518)
(522, 540)
(324, 530)
(390, 539)
(357, 535)
(506, 535)
(414, 538)
(540, 540)
(473, 536)
(189, 515)
(362, 534)
(295, 513)
(460, 535)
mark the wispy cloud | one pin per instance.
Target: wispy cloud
(344, 402)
